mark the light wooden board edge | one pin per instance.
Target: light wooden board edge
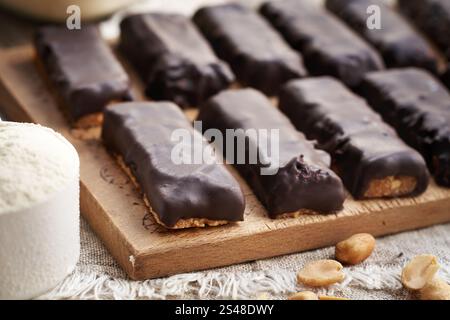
(290, 240)
(269, 239)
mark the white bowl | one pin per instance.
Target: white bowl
(56, 10)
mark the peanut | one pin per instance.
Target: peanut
(304, 295)
(321, 273)
(419, 271)
(355, 249)
(263, 296)
(435, 289)
(332, 298)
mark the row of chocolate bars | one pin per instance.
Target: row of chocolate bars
(365, 137)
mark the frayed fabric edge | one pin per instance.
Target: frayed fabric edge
(219, 285)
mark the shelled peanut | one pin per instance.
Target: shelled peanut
(420, 276)
(304, 295)
(321, 273)
(419, 271)
(355, 249)
(435, 289)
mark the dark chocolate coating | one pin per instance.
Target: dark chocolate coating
(433, 17)
(257, 53)
(397, 41)
(173, 59)
(303, 179)
(362, 146)
(418, 107)
(85, 72)
(328, 46)
(141, 132)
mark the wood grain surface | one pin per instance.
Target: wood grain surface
(116, 212)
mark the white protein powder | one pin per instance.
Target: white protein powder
(35, 162)
(39, 209)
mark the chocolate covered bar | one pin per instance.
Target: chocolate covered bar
(418, 107)
(433, 17)
(297, 178)
(259, 56)
(328, 46)
(173, 59)
(397, 41)
(180, 193)
(83, 70)
(366, 153)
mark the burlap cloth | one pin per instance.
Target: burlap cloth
(98, 276)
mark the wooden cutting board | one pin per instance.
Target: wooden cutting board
(116, 212)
